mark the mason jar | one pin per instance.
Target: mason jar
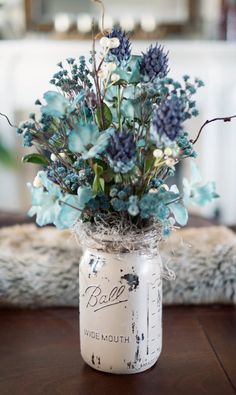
(120, 309)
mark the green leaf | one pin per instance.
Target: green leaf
(98, 182)
(103, 117)
(38, 159)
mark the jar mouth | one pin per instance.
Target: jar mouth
(118, 239)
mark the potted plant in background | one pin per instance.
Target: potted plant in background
(109, 138)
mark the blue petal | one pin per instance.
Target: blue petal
(56, 106)
(180, 213)
(83, 136)
(72, 207)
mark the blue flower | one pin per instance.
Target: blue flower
(118, 205)
(72, 206)
(57, 104)
(154, 63)
(45, 201)
(195, 193)
(51, 206)
(27, 138)
(87, 140)
(168, 118)
(123, 52)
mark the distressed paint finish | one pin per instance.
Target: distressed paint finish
(120, 311)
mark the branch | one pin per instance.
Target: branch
(224, 119)
(70, 205)
(103, 13)
(8, 120)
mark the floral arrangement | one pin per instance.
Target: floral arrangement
(110, 137)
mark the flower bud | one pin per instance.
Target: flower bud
(114, 42)
(37, 183)
(111, 66)
(170, 162)
(158, 153)
(105, 42)
(153, 190)
(115, 78)
(168, 151)
(53, 157)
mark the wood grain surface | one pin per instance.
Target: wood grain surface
(39, 354)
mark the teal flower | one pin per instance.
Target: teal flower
(86, 140)
(195, 193)
(57, 105)
(72, 207)
(178, 210)
(45, 201)
(52, 207)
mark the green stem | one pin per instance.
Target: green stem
(119, 107)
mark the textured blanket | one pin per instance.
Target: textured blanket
(39, 267)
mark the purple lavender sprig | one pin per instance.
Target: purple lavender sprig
(154, 63)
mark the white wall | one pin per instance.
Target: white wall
(27, 66)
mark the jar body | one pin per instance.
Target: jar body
(120, 311)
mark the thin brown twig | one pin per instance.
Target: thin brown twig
(96, 81)
(224, 119)
(70, 205)
(8, 120)
(103, 14)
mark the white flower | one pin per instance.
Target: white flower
(37, 183)
(114, 78)
(153, 190)
(114, 42)
(107, 69)
(109, 43)
(168, 151)
(158, 153)
(105, 42)
(165, 186)
(111, 66)
(102, 74)
(170, 162)
(53, 157)
(62, 155)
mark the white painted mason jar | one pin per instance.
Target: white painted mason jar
(120, 310)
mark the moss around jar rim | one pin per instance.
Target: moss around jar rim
(117, 239)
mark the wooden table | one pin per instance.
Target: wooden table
(39, 355)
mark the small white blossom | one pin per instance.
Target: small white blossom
(114, 78)
(170, 162)
(62, 155)
(153, 190)
(105, 42)
(109, 43)
(168, 151)
(165, 186)
(111, 66)
(114, 42)
(158, 153)
(53, 157)
(37, 183)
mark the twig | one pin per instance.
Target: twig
(225, 119)
(103, 13)
(8, 120)
(70, 205)
(96, 81)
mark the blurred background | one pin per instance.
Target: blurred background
(199, 34)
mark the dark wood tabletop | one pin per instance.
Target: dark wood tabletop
(39, 355)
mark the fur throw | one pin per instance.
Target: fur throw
(39, 267)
